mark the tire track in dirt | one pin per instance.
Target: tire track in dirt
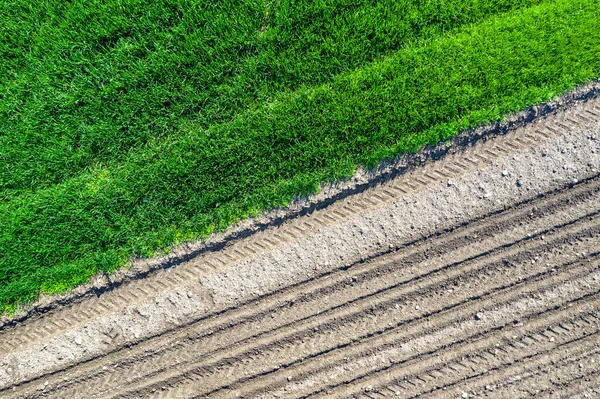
(344, 286)
(585, 387)
(436, 172)
(498, 364)
(564, 366)
(428, 309)
(459, 255)
(371, 353)
(211, 375)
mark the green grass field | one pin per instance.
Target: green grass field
(127, 126)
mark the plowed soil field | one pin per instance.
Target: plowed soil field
(477, 275)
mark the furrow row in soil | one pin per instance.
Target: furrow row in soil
(364, 355)
(531, 135)
(484, 363)
(345, 290)
(474, 275)
(482, 250)
(392, 308)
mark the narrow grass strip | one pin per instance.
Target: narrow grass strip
(204, 179)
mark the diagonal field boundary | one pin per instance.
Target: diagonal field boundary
(191, 291)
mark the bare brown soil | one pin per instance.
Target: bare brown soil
(477, 275)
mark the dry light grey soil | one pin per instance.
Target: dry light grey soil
(477, 275)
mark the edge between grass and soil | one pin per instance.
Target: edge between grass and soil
(98, 221)
(361, 181)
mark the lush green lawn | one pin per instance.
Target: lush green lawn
(130, 126)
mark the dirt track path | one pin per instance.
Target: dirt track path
(476, 275)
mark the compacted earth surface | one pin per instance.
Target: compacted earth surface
(474, 275)
(129, 127)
